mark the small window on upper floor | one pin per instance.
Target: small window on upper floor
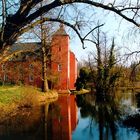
(31, 66)
(59, 67)
(3, 67)
(59, 48)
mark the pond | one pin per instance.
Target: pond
(81, 117)
(106, 118)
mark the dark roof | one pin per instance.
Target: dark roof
(61, 31)
(19, 51)
(25, 47)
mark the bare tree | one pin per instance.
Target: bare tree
(44, 48)
(105, 67)
(20, 16)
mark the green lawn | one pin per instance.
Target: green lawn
(83, 91)
(9, 94)
(14, 94)
(15, 98)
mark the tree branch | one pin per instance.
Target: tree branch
(52, 20)
(3, 18)
(58, 3)
(24, 16)
(93, 30)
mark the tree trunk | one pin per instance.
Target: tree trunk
(44, 70)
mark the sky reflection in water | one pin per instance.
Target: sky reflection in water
(103, 119)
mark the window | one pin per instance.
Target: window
(59, 48)
(31, 78)
(31, 66)
(59, 67)
(5, 78)
(3, 67)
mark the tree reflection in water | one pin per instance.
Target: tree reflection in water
(133, 120)
(104, 110)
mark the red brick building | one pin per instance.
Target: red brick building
(22, 68)
(26, 67)
(64, 63)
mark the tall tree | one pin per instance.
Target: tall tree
(105, 68)
(45, 50)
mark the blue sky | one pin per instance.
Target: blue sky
(114, 27)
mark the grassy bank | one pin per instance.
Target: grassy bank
(14, 94)
(83, 91)
(15, 98)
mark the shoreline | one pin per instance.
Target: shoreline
(20, 99)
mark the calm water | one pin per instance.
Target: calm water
(103, 119)
(81, 117)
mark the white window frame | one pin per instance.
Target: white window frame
(3, 67)
(31, 78)
(31, 66)
(59, 67)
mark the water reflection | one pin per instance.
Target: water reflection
(26, 124)
(133, 119)
(62, 118)
(81, 117)
(54, 121)
(100, 118)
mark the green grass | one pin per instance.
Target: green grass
(15, 98)
(83, 91)
(22, 94)
(14, 94)
(10, 94)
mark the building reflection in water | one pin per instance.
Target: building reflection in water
(53, 121)
(62, 118)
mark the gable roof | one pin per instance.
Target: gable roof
(25, 47)
(61, 31)
(19, 51)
